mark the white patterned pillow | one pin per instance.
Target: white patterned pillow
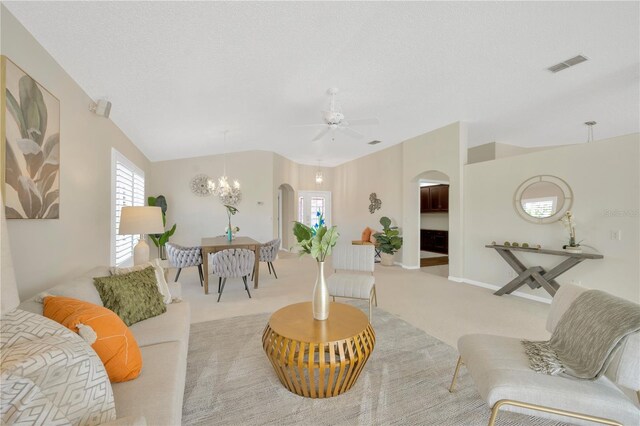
(50, 375)
(161, 282)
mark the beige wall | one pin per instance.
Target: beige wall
(197, 217)
(48, 251)
(604, 177)
(442, 150)
(356, 180)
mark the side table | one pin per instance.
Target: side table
(318, 359)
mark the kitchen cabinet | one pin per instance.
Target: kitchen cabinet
(434, 199)
(434, 240)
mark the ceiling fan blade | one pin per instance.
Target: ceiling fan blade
(321, 134)
(352, 133)
(308, 125)
(364, 122)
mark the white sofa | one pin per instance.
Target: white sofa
(157, 393)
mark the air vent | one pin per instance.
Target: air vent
(568, 63)
(374, 142)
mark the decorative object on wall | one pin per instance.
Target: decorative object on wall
(201, 185)
(543, 199)
(376, 203)
(389, 240)
(32, 149)
(568, 222)
(318, 241)
(161, 239)
(229, 230)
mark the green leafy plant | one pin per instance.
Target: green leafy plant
(318, 240)
(389, 239)
(161, 239)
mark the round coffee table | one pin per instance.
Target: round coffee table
(318, 359)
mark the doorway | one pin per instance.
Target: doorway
(310, 203)
(434, 223)
(286, 215)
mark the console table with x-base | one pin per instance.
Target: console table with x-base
(537, 276)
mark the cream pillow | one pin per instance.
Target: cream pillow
(163, 287)
(50, 375)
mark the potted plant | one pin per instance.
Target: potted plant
(229, 230)
(573, 246)
(318, 241)
(389, 241)
(161, 239)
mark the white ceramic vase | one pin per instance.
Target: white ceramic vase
(320, 302)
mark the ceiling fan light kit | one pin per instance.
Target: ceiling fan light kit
(334, 120)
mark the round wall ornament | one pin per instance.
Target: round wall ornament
(200, 185)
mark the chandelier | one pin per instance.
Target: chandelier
(227, 193)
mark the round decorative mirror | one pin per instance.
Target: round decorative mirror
(543, 199)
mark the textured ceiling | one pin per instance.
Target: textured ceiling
(180, 73)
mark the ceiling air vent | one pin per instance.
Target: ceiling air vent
(374, 142)
(568, 63)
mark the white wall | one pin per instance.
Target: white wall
(48, 251)
(437, 221)
(356, 180)
(197, 217)
(442, 150)
(604, 177)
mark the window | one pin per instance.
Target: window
(317, 206)
(127, 190)
(301, 209)
(540, 207)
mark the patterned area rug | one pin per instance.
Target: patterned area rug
(405, 382)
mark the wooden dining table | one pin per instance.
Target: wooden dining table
(211, 245)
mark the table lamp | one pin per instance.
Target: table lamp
(141, 220)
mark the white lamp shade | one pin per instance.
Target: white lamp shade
(140, 220)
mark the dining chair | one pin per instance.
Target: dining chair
(349, 260)
(269, 253)
(232, 263)
(184, 257)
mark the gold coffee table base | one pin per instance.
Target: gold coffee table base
(318, 359)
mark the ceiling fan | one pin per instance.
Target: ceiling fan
(334, 120)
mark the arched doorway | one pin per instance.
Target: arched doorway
(286, 215)
(434, 222)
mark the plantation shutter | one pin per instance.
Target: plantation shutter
(129, 191)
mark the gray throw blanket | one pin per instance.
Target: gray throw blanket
(586, 336)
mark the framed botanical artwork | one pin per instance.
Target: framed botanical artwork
(30, 125)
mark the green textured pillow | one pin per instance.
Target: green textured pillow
(133, 297)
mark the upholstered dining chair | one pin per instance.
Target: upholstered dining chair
(184, 257)
(232, 263)
(347, 261)
(269, 253)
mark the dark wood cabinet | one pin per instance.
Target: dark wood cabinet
(434, 199)
(434, 240)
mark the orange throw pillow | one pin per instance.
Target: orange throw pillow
(114, 343)
(366, 234)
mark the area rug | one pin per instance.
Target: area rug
(405, 382)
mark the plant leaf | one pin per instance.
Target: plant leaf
(302, 232)
(16, 113)
(385, 222)
(12, 213)
(27, 146)
(162, 203)
(171, 231)
(54, 212)
(151, 201)
(52, 149)
(33, 108)
(155, 240)
(12, 168)
(29, 197)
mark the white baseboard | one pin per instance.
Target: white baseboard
(406, 267)
(496, 287)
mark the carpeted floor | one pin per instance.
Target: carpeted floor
(405, 382)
